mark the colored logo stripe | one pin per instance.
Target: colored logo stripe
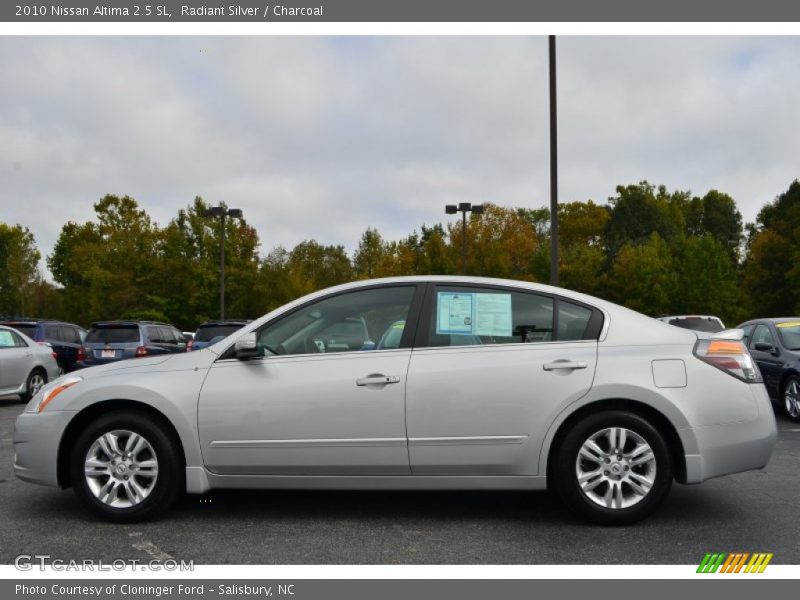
(735, 562)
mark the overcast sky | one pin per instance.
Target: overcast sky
(321, 137)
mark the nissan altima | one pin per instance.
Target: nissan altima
(453, 383)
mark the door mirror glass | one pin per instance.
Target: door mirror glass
(246, 346)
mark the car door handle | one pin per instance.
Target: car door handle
(377, 380)
(565, 364)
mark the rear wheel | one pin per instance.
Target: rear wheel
(790, 397)
(613, 468)
(126, 467)
(33, 384)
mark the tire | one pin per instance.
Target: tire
(153, 469)
(36, 379)
(790, 398)
(614, 492)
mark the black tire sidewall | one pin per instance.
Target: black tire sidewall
(782, 398)
(566, 480)
(170, 466)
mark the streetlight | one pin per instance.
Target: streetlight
(464, 208)
(553, 164)
(221, 212)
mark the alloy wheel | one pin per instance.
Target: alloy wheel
(791, 398)
(121, 468)
(35, 383)
(615, 468)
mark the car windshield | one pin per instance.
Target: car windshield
(115, 334)
(790, 334)
(708, 324)
(209, 332)
(28, 329)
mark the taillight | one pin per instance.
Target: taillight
(189, 345)
(141, 351)
(81, 354)
(55, 356)
(730, 356)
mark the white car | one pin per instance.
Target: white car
(25, 366)
(458, 383)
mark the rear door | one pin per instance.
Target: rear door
(491, 368)
(15, 360)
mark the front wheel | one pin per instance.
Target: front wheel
(614, 468)
(791, 397)
(126, 467)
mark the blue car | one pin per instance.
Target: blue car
(66, 339)
(109, 341)
(211, 332)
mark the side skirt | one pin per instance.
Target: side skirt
(199, 481)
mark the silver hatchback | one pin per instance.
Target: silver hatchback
(450, 383)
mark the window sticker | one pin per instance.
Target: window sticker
(792, 324)
(473, 314)
(454, 313)
(493, 315)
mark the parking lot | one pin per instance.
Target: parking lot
(755, 511)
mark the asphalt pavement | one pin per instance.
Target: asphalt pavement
(758, 511)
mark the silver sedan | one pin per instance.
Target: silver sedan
(25, 366)
(412, 383)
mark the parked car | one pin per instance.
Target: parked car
(25, 366)
(775, 346)
(66, 339)
(695, 322)
(603, 404)
(211, 332)
(110, 341)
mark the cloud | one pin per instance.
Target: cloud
(321, 137)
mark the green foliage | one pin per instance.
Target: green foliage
(19, 273)
(651, 249)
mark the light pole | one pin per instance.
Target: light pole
(553, 166)
(222, 212)
(464, 208)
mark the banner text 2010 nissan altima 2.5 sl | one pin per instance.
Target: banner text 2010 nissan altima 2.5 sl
(412, 383)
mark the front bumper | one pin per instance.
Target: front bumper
(734, 447)
(36, 440)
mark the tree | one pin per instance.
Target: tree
(372, 258)
(643, 277)
(19, 273)
(771, 275)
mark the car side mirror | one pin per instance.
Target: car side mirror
(246, 347)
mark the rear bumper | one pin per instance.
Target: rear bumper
(734, 447)
(36, 440)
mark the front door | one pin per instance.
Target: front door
(326, 396)
(492, 368)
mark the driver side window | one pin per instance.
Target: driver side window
(364, 320)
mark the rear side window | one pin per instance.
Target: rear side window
(53, 332)
(29, 330)
(471, 316)
(573, 321)
(115, 334)
(9, 339)
(465, 316)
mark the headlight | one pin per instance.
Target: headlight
(50, 391)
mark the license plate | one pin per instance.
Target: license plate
(108, 354)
